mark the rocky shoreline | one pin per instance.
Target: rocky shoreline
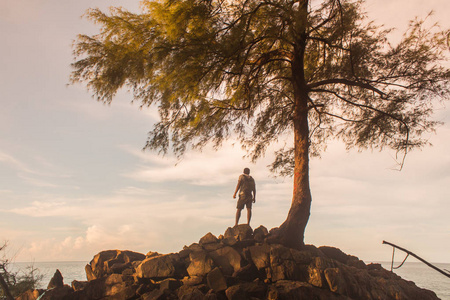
(240, 264)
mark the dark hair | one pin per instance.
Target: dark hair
(247, 171)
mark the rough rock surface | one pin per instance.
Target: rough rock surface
(56, 281)
(241, 264)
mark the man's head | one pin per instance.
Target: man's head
(247, 171)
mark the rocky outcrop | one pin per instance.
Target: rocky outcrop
(241, 264)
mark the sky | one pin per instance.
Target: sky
(74, 180)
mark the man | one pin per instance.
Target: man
(247, 195)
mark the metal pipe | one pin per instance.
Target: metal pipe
(419, 258)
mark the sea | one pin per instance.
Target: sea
(422, 275)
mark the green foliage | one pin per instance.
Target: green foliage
(218, 69)
(17, 282)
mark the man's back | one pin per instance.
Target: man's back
(247, 185)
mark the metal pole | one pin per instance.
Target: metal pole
(392, 261)
(419, 258)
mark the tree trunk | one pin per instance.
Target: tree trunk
(291, 232)
(5, 288)
(293, 229)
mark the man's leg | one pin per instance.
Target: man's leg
(249, 215)
(238, 215)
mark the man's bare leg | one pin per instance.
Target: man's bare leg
(249, 215)
(238, 215)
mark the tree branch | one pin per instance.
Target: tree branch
(348, 82)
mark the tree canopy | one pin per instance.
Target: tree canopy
(258, 70)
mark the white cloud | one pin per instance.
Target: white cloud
(37, 172)
(207, 168)
(15, 163)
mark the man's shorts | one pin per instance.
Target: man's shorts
(244, 200)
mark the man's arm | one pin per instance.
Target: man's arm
(254, 192)
(237, 188)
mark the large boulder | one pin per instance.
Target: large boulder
(208, 238)
(341, 257)
(260, 233)
(240, 232)
(260, 256)
(163, 266)
(228, 259)
(114, 286)
(200, 264)
(56, 281)
(106, 262)
(216, 281)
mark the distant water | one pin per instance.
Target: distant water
(422, 275)
(70, 270)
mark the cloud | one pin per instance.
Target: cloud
(15, 163)
(206, 168)
(41, 174)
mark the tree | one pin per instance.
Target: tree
(258, 70)
(12, 283)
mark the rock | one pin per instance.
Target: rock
(239, 232)
(151, 254)
(228, 259)
(241, 265)
(163, 266)
(118, 268)
(216, 281)
(336, 281)
(341, 257)
(97, 264)
(193, 280)
(200, 264)
(246, 273)
(169, 284)
(286, 289)
(114, 286)
(56, 281)
(155, 295)
(144, 288)
(131, 256)
(116, 283)
(260, 256)
(246, 291)
(89, 273)
(316, 277)
(30, 295)
(102, 262)
(78, 285)
(236, 293)
(260, 233)
(209, 238)
(229, 241)
(57, 293)
(193, 247)
(190, 293)
(213, 247)
(283, 265)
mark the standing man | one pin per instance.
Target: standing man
(247, 195)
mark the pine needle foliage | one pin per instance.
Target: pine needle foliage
(260, 70)
(218, 68)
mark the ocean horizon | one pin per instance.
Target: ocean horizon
(422, 275)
